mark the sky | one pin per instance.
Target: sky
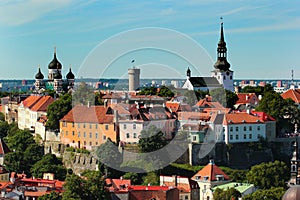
(101, 38)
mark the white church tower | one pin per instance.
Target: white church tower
(222, 72)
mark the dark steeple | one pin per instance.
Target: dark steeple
(70, 75)
(39, 75)
(54, 64)
(188, 72)
(222, 63)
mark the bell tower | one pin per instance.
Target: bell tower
(222, 72)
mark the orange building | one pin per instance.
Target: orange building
(88, 126)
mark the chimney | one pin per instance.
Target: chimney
(88, 104)
(175, 180)
(105, 103)
(247, 97)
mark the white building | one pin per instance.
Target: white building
(31, 109)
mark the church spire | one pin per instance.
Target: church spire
(222, 63)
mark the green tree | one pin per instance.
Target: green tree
(224, 97)
(165, 91)
(134, 177)
(151, 178)
(4, 127)
(2, 117)
(89, 188)
(152, 139)
(258, 90)
(52, 196)
(148, 91)
(25, 151)
(230, 194)
(274, 193)
(190, 97)
(49, 163)
(57, 110)
(84, 95)
(267, 175)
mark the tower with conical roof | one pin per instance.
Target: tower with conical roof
(39, 81)
(222, 72)
(70, 79)
(295, 164)
(54, 67)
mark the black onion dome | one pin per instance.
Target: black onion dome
(57, 75)
(54, 64)
(39, 75)
(70, 75)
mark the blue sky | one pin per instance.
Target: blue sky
(262, 36)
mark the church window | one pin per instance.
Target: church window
(224, 77)
(230, 77)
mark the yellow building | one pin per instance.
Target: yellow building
(88, 126)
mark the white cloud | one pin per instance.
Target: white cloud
(23, 11)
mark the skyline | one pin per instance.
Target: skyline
(261, 36)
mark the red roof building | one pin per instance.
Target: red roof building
(293, 94)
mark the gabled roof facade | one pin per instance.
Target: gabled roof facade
(92, 114)
(211, 172)
(293, 94)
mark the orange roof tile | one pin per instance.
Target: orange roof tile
(92, 114)
(245, 98)
(42, 104)
(241, 118)
(210, 173)
(292, 94)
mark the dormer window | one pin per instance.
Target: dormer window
(220, 177)
(198, 177)
(205, 178)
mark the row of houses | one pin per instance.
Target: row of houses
(89, 126)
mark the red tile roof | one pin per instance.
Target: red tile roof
(92, 114)
(263, 116)
(151, 188)
(246, 98)
(117, 184)
(208, 103)
(187, 186)
(37, 103)
(293, 94)
(241, 118)
(42, 104)
(210, 173)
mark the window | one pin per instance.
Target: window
(83, 125)
(90, 135)
(134, 126)
(96, 135)
(96, 143)
(73, 133)
(96, 126)
(258, 128)
(224, 77)
(90, 143)
(104, 137)
(66, 132)
(223, 129)
(106, 127)
(236, 137)
(90, 126)
(194, 138)
(250, 136)
(250, 128)
(223, 137)
(245, 136)
(231, 129)
(134, 135)
(78, 125)
(245, 128)
(258, 136)
(237, 128)
(62, 133)
(84, 142)
(230, 77)
(231, 137)
(72, 124)
(84, 135)
(124, 126)
(127, 135)
(78, 134)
